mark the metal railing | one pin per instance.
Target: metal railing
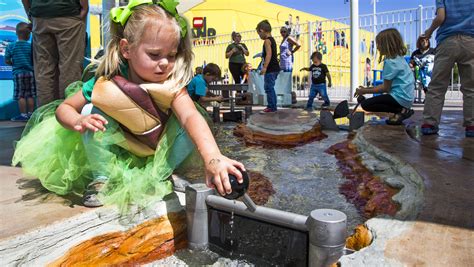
(331, 38)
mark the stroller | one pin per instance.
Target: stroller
(423, 71)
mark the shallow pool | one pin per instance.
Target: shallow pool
(304, 178)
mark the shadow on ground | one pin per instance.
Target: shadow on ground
(37, 193)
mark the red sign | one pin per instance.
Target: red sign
(198, 22)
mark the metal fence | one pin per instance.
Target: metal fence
(331, 38)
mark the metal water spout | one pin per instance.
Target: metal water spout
(249, 203)
(240, 190)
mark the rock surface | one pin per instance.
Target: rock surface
(39, 227)
(260, 188)
(362, 188)
(147, 242)
(285, 128)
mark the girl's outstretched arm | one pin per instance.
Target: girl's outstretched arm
(69, 115)
(217, 166)
(382, 88)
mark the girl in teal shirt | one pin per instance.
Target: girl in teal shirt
(398, 88)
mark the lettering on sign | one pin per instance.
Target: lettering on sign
(202, 35)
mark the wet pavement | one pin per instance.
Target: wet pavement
(450, 138)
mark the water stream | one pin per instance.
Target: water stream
(304, 178)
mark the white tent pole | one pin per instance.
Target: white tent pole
(354, 47)
(107, 5)
(374, 33)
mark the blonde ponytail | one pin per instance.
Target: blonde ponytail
(109, 65)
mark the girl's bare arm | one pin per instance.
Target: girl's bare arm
(217, 166)
(383, 88)
(69, 115)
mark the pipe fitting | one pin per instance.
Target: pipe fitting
(197, 215)
(327, 236)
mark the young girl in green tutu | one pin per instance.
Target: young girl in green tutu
(120, 135)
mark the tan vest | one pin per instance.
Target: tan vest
(141, 110)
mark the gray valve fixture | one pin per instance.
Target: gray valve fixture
(327, 236)
(197, 215)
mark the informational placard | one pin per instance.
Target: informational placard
(11, 13)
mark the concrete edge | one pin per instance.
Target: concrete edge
(44, 245)
(404, 177)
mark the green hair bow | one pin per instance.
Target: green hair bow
(121, 14)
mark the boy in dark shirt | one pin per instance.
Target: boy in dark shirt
(271, 67)
(319, 72)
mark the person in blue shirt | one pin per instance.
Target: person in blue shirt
(18, 54)
(398, 87)
(455, 44)
(197, 88)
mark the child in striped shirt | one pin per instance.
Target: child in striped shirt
(18, 55)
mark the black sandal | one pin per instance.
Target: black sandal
(398, 118)
(395, 120)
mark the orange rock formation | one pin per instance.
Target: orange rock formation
(260, 188)
(150, 241)
(366, 191)
(361, 238)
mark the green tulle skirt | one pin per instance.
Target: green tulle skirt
(57, 157)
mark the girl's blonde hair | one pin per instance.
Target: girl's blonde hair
(142, 16)
(390, 44)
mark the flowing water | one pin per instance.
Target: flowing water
(231, 223)
(304, 178)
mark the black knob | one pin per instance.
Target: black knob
(238, 190)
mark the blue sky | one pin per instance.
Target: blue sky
(337, 8)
